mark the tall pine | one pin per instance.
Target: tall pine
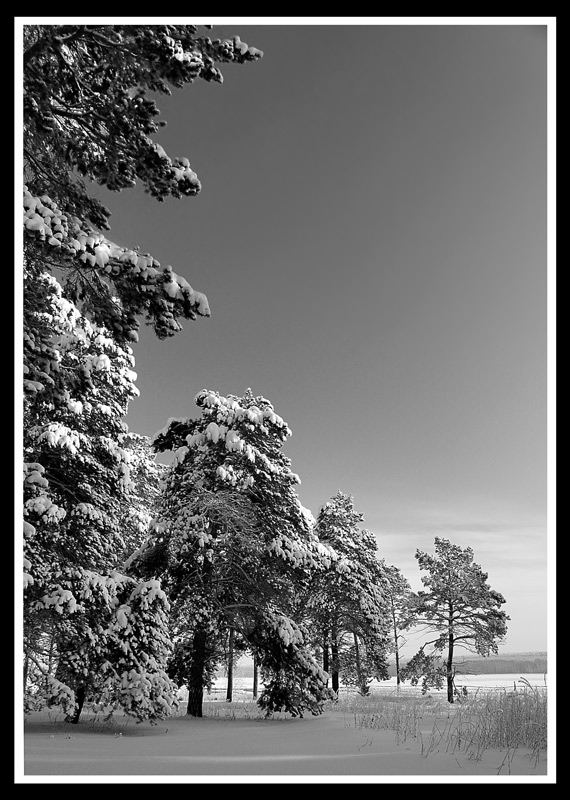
(232, 545)
(349, 606)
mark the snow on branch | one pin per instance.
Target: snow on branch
(89, 250)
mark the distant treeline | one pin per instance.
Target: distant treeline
(523, 663)
(487, 666)
(501, 664)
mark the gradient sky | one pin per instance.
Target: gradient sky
(371, 236)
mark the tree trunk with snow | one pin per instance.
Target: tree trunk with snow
(334, 660)
(325, 653)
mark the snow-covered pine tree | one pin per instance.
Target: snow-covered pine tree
(77, 494)
(88, 118)
(79, 502)
(348, 607)
(232, 546)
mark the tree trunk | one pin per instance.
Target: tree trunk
(196, 673)
(230, 687)
(398, 680)
(79, 701)
(396, 648)
(360, 677)
(449, 666)
(254, 676)
(449, 684)
(334, 659)
(326, 655)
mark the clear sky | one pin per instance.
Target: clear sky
(371, 236)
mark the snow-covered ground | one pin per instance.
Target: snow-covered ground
(231, 743)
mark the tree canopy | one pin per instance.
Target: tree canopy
(89, 117)
(88, 112)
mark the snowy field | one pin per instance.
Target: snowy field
(232, 743)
